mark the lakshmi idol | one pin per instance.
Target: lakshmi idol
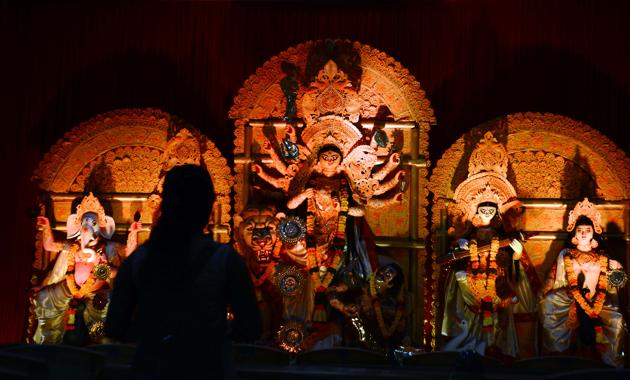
(489, 273)
(580, 302)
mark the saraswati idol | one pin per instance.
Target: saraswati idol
(489, 274)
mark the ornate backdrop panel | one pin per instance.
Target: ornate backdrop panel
(121, 157)
(554, 162)
(372, 91)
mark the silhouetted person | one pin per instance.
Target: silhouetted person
(175, 289)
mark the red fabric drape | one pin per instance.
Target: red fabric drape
(477, 60)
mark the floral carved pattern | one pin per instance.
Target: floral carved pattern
(121, 170)
(123, 151)
(547, 175)
(331, 93)
(92, 139)
(385, 83)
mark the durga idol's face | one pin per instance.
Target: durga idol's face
(329, 160)
(584, 234)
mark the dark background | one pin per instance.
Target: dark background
(66, 62)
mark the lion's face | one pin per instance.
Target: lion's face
(257, 235)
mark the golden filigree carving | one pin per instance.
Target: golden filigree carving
(93, 138)
(589, 210)
(585, 147)
(121, 170)
(90, 204)
(385, 84)
(188, 147)
(182, 149)
(487, 179)
(585, 151)
(124, 151)
(488, 156)
(222, 179)
(331, 93)
(333, 130)
(538, 174)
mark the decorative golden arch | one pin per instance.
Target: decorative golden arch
(554, 162)
(388, 97)
(384, 83)
(119, 155)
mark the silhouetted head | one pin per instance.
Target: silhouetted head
(187, 198)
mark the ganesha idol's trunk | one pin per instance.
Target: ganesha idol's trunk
(87, 237)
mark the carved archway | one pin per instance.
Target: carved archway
(387, 96)
(121, 152)
(120, 157)
(554, 161)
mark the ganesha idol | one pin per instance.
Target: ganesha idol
(278, 279)
(71, 302)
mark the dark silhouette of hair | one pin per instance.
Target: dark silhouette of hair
(329, 148)
(583, 221)
(187, 200)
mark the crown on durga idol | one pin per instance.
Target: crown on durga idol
(329, 106)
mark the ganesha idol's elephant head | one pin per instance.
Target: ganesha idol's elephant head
(90, 224)
(256, 235)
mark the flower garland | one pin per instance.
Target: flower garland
(595, 309)
(82, 291)
(483, 284)
(591, 311)
(376, 303)
(330, 265)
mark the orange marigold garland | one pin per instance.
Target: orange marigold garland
(330, 265)
(483, 283)
(591, 309)
(84, 291)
